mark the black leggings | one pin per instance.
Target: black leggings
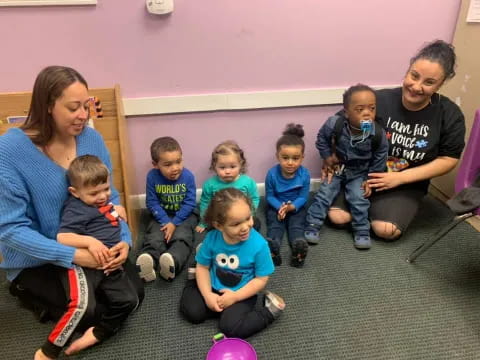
(41, 289)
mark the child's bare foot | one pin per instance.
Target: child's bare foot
(85, 341)
(39, 355)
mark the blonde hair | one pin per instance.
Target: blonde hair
(226, 148)
(87, 170)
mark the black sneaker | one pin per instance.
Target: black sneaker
(299, 252)
(274, 246)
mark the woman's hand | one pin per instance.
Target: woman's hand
(227, 298)
(83, 257)
(385, 180)
(99, 251)
(119, 252)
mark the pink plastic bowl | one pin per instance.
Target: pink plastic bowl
(231, 349)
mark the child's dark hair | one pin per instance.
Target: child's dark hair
(87, 170)
(292, 136)
(226, 148)
(161, 145)
(347, 95)
(221, 202)
(440, 52)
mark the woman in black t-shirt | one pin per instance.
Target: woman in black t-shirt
(425, 131)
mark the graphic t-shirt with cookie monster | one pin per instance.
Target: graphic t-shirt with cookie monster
(418, 137)
(233, 266)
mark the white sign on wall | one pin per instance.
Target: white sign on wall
(473, 14)
(46, 2)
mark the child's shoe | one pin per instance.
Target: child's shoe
(274, 303)
(274, 246)
(145, 266)
(299, 252)
(312, 234)
(362, 241)
(167, 266)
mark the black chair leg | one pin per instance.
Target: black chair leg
(437, 236)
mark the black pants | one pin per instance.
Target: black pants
(180, 245)
(240, 320)
(60, 294)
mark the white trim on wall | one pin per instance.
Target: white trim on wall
(233, 101)
(46, 2)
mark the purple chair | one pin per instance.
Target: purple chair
(467, 173)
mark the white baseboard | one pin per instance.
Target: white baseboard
(138, 201)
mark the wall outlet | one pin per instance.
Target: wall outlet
(159, 7)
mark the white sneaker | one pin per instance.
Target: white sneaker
(274, 303)
(167, 266)
(147, 271)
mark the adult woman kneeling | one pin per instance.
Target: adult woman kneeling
(33, 189)
(425, 131)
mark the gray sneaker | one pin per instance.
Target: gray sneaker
(167, 266)
(145, 266)
(312, 234)
(274, 303)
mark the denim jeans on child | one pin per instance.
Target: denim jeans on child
(357, 203)
(294, 223)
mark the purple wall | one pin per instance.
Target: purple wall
(213, 46)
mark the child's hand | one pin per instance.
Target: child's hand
(99, 251)
(121, 212)
(199, 229)
(367, 190)
(168, 231)
(328, 168)
(284, 210)
(212, 302)
(118, 255)
(227, 298)
(281, 212)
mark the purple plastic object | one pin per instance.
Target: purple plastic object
(230, 349)
(470, 165)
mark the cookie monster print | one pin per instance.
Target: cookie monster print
(223, 271)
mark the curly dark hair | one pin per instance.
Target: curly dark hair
(221, 202)
(292, 136)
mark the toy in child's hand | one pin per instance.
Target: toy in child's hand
(395, 164)
(230, 349)
(95, 107)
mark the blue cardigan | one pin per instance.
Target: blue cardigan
(33, 189)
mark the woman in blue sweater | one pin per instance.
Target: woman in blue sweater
(33, 188)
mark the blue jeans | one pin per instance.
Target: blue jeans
(327, 193)
(294, 223)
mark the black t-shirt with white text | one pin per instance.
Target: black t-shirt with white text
(418, 137)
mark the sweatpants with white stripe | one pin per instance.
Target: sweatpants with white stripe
(81, 287)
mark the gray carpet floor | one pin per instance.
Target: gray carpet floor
(344, 304)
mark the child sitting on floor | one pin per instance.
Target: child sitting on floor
(170, 199)
(233, 266)
(287, 187)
